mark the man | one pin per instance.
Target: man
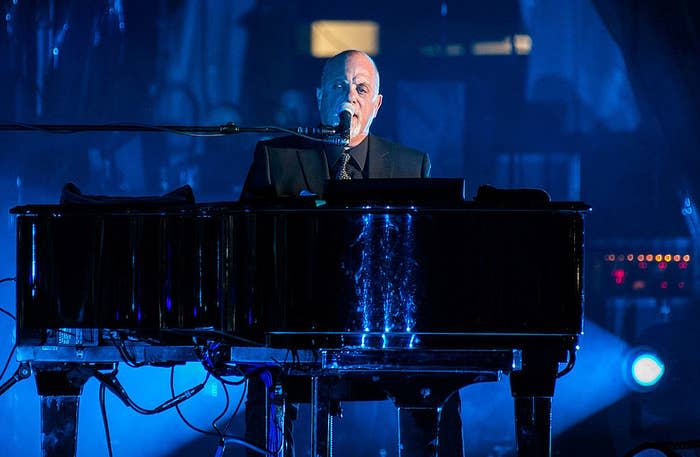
(285, 167)
(293, 166)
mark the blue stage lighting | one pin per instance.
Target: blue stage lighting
(647, 369)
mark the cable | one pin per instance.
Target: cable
(244, 443)
(103, 409)
(2, 310)
(570, 365)
(213, 366)
(125, 355)
(9, 314)
(23, 371)
(223, 413)
(9, 359)
(238, 407)
(177, 407)
(230, 383)
(112, 383)
(225, 439)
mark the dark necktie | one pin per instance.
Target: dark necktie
(342, 170)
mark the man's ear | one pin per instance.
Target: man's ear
(377, 104)
(318, 97)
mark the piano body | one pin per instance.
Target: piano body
(419, 299)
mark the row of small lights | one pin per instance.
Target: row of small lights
(648, 258)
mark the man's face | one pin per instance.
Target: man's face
(354, 80)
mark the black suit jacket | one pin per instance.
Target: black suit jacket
(284, 167)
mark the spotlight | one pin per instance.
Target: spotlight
(666, 449)
(644, 369)
(649, 452)
(647, 370)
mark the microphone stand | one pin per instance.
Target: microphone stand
(326, 134)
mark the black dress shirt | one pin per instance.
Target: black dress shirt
(358, 160)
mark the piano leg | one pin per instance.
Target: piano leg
(533, 418)
(59, 387)
(277, 415)
(532, 390)
(423, 405)
(424, 425)
(321, 419)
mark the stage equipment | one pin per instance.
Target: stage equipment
(651, 272)
(633, 284)
(644, 369)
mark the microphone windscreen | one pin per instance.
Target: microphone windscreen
(345, 118)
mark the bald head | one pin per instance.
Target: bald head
(350, 77)
(339, 60)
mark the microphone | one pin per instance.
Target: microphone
(339, 135)
(345, 117)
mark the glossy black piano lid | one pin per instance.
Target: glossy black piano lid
(257, 272)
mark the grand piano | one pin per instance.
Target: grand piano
(414, 297)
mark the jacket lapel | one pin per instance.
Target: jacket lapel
(379, 155)
(314, 169)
